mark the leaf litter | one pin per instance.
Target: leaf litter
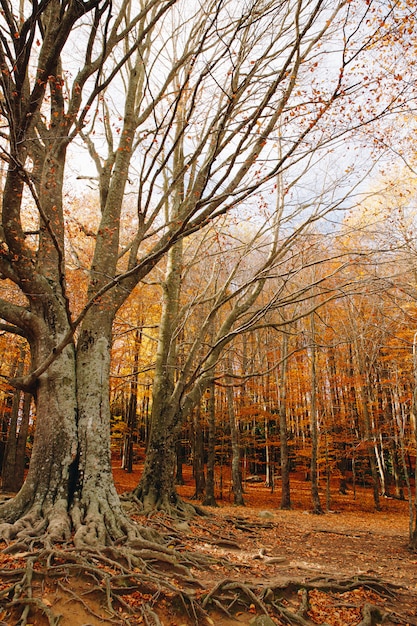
(236, 565)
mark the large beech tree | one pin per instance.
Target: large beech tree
(225, 81)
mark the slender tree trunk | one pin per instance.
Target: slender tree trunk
(209, 498)
(283, 429)
(365, 396)
(5, 419)
(156, 488)
(317, 508)
(198, 455)
(8, 474)
(22, 441)
(354, 476)
(236, 475)
(328, 490)
(268, 468)
(413, 501)
(179, 461)
(127, 463)
(397, 445)
(379, 456)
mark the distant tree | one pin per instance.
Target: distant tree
(314, 421)
(14, 458)
(209, 498)
(283, 427)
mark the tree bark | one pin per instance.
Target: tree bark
(131, 420)
(179, 458)
(22, 441)
(365, 393)
(210, 498)
(42, 503)
(413, 500)
(234, 441)
(317, 508)
(96, 511)
(283, 430)
(198, 455)
(8, 474)
(156, 489)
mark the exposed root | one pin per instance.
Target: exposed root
(135, 576)
(372, 615)
(50, 525)
(149, 504)
(242, 592)
(228, 594)
(101, 521)
(118, 574)
(94, 523)
(149, 616)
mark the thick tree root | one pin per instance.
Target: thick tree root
(119, 575)
(372, 615)
(174, 508)
(134, 577)
(95, 523)
(229, 594)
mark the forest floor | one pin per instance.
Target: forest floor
(349, 560)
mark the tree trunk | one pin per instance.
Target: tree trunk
(268, 464)
(317, 508)
(365, 396)
(8, 474)
(20, 463)
(156, 489)
(198, 455)
(210, 498)
(413, 501)
(179, 461)
(379, 456)
(283, 430)
(96, 511)
(5, 419)
(127, 457)
(133, 404)
(236, 475)
(42, 503)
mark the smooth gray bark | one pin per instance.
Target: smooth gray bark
(283, 430)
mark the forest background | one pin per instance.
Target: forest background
(208, 256)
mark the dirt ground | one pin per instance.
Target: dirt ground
(353, 540)
(255, 549)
